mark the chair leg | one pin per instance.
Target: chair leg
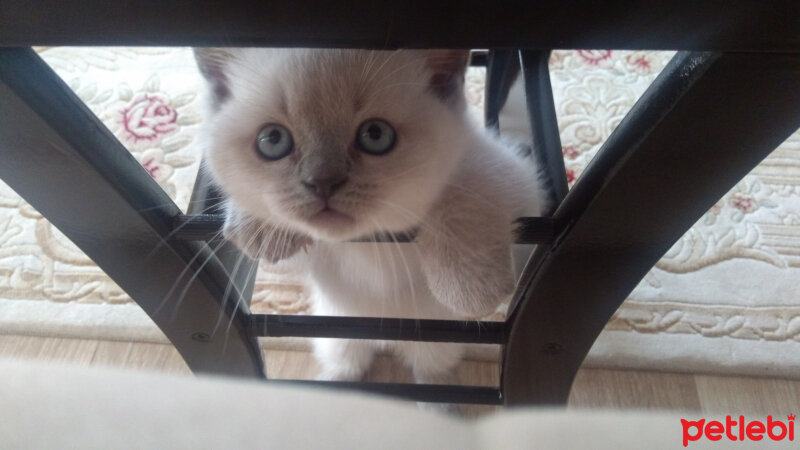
(705, 122)
(58, 156)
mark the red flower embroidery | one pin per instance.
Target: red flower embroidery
(573, 173)
(148, 116)
(151, 166)
(640, 61)
(570, 176)
(153, 162)
(744, 202)
(594, 57)
(570, 151)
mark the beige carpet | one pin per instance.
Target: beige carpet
(722, 300)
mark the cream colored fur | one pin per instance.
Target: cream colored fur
(459, 187)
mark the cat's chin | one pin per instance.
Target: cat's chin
(330, 224)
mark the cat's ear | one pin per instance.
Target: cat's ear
(213, 63)
(447, 73)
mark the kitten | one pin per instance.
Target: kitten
(317, 147)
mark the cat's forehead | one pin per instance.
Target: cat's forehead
(313, 78)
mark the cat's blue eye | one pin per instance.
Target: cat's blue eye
(376, 137)
(274, 141)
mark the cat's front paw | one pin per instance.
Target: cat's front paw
(343, 359)
(470, 284)
(472, 299)
(469, 289)
(259, 240)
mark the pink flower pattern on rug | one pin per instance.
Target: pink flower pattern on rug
(148, 117)
(595, 57)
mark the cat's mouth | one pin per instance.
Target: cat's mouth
(329, 217)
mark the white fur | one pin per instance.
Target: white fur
(458, 186)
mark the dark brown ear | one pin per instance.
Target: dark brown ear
(212, 63)
(448, 68)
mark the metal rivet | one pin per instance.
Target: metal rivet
(553, 348)
(201, 337)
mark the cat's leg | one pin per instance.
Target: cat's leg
(465, 250)
(259, 239)
(432, 363)
(339, 359)
(343, 359)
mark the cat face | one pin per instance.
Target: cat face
(336, 144)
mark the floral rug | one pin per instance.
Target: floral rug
(722, 300)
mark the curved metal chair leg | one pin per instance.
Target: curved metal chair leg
(703, 124)
(66, 164)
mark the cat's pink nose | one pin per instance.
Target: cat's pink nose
(324, 186)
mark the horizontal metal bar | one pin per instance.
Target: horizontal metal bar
(391, 329)
(724, 25)
(433, 393)
(206, 227)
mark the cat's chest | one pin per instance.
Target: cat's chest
(378, 269)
